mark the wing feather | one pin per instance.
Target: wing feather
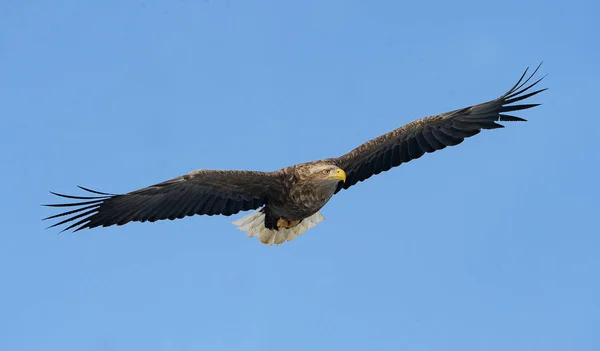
(433, 133)
(208, 192)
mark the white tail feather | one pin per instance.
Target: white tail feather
(254, 225)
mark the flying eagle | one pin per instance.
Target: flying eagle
(288, 201)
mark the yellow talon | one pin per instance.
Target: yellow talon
(283, 223)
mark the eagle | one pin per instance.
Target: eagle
(288, 202)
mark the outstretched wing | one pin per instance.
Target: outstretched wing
(201, 192)
(432, 133)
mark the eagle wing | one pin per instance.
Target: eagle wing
(201, 192)
(432, 133)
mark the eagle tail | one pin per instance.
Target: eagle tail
(254, 225)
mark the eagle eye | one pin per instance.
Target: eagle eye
(325, 171)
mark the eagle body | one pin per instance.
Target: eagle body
(294, 207)
(287, 202)
(304, 191)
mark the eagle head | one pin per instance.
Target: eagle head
(327, 172)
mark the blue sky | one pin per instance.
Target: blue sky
(490, 245)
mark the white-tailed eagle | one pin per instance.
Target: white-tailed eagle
(289, 200)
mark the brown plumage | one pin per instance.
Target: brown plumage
(290, 199)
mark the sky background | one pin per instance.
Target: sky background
(489, 245)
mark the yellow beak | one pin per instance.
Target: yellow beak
(339, 175)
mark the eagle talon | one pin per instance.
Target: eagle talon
(284, 223)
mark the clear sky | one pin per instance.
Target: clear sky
(489, 245)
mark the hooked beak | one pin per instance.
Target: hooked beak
(339, 175)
